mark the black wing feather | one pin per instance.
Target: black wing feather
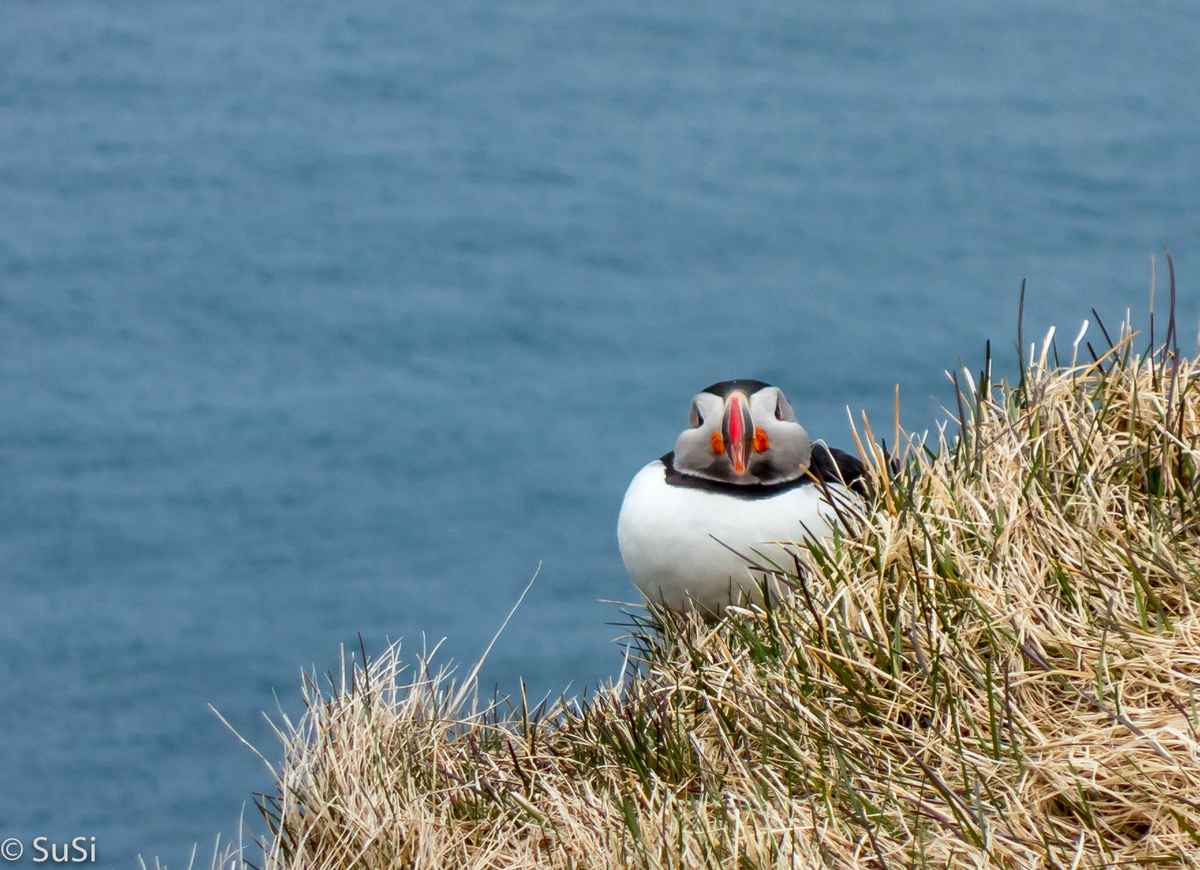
(837, 466)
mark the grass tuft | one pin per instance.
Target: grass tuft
(1000, 667)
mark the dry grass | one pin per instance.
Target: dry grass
(999, 668)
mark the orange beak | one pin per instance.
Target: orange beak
(737, 429)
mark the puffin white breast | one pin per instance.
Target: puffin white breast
(683, 544)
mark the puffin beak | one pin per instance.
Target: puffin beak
(738, 430)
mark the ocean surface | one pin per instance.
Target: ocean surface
(320, 319)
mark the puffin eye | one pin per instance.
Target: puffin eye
(694, 417)
(778, 409)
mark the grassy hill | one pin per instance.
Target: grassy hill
(998, 666)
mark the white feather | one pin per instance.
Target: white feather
(682, 544)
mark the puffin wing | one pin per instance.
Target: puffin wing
(837, 466)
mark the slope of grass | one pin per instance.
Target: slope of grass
(999, 666)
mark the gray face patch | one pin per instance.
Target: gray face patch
(787, 450)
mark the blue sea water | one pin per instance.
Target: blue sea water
(341, 318)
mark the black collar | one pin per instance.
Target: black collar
(827, 465)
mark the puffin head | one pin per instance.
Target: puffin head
(743, 432)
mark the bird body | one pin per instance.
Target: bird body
(696, 531)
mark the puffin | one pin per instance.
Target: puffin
(714, 522)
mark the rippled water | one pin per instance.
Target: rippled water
(339, 318)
